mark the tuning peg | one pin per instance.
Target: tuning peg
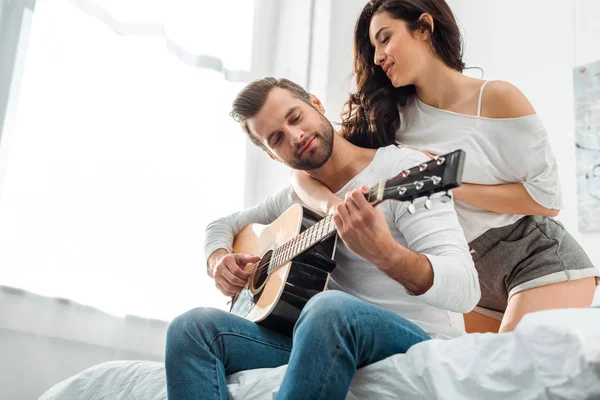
(446, 197)
(428, 203)
(411, 208)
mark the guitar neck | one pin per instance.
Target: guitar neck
(437, 175)
(316, 233)
(302, 242)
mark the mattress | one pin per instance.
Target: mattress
(551, 354)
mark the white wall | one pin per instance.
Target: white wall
(339, 72)
(44, 340)
(15, 23)
(280, 51)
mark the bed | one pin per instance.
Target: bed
(551, 354)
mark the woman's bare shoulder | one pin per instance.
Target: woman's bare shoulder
(504, 100)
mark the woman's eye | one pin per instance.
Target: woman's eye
(385, 40)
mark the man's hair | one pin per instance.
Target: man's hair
(253, 97)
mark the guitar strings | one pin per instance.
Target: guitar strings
(263, 265)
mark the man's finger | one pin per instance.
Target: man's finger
(359, 198)
(352, 206)
(233, 280)
(242, 259)
(229, 287)
(238, 270)
(339, 224)
(234, 274)
(342, 213)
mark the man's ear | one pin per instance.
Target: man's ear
(317, 103)
(427, 26)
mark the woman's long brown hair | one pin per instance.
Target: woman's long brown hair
(370, 117)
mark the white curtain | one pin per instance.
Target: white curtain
(123, 151)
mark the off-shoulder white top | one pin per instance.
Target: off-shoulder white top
(499, 150)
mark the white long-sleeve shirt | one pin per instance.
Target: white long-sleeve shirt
(434, 233)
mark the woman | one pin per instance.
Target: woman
(410, 88)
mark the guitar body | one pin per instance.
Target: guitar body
(278, 302)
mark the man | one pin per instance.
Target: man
(401, 278)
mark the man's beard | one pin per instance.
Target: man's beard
(319, 152)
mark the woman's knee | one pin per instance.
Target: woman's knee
(568, 294)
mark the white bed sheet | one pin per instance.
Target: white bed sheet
(552, 354)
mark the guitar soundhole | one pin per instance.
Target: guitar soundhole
(261, 273)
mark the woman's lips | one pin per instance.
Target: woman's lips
(389, 70)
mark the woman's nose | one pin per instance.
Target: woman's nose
(379, 58)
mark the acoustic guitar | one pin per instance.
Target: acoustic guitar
(297, 250)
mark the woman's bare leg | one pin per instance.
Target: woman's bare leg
(481, 323)
(570, 294)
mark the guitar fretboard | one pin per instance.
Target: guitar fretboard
(437, 175)
(316, 233)
(302, 242)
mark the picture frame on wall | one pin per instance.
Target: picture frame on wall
(586, 82)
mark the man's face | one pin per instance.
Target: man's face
(293, 131)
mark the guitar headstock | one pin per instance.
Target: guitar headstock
(439, 174)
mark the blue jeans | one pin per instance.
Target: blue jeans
(335, 334)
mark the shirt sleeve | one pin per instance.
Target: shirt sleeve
(437, 234)
(528, 158)
(220, 233)
(541, 177)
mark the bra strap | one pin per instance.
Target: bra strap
(480, 97)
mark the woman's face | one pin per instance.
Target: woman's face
(398, 52)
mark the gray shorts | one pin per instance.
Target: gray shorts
(532, 252)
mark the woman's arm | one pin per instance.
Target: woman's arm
(504, 100)
(510, 198)
(313, 193)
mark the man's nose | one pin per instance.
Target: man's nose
(297, 136)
